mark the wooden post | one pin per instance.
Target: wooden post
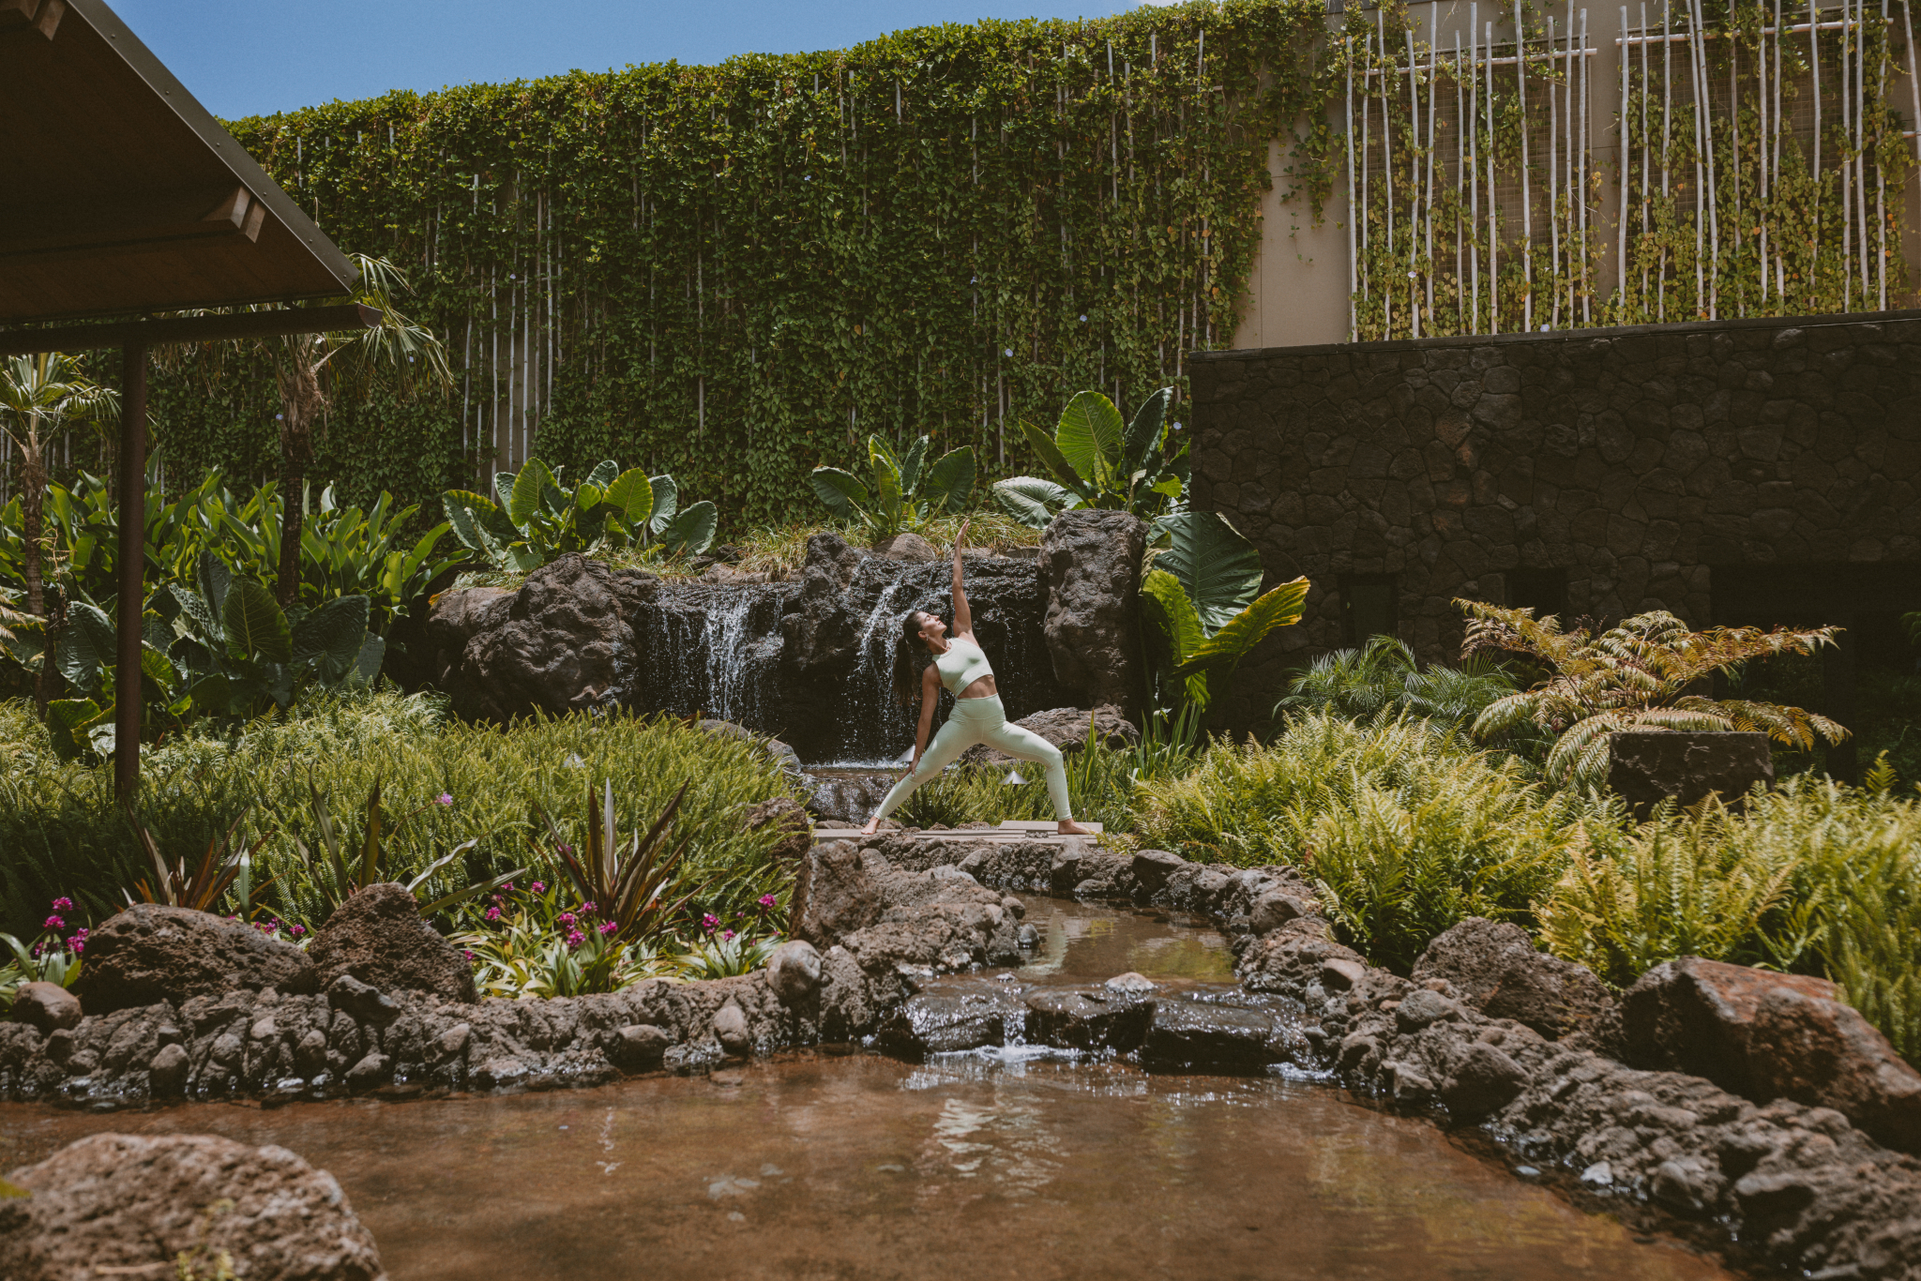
(133, 558)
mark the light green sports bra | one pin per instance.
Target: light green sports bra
(962, 665)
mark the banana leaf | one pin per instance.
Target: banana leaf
(1217, 567)
(1224, 650)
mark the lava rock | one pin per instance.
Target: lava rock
(908, 547)
(1767, 1036)
(1152, 868)
(1204, 1034)
(167, 1072)
(784, 816)
(732, 1031)
(834, 895)
(373, 1070)
(1646, 767)
(1497, 970)
(794, 970)
(46, 1006)
(639, 1047)
(948, 1015)
(361, 1001)
(1066, 728)
(1100, 1018)
(150, 953)
(1484, 1080)
(1090, 562)
(137, 1205)
(377, 936)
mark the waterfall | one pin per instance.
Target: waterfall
(716, 651)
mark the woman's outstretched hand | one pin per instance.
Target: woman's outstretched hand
(961, 538)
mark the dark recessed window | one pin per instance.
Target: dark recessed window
(1370, 605)
(1542, 590)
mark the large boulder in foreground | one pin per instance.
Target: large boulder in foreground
(1494, 967)
(150, 953)
(377, 936)
(1647, 767)
(834, 895)
(136, 1206)
(1066, 728)
(1770, 1036)
(563, 642)
(1090, 562)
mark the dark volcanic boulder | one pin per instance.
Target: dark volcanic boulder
(149, 953)
(564, 641)
(1207, 1034)
(1089, 1018)
(1648, 766)
(1496, 969)
(1091, 562)
(949, 1014)
(1065, 728)
(834, 895)
(1770, 1036)
(377, 936)
(130, 1205)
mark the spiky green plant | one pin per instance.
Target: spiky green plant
(629, 882)
(1383, 677)
(1640, 674)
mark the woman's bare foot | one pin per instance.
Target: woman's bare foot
(873, 826)
(1068, 827)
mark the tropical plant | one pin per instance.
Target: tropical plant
(311, 369)
(1383, 678)
(537, 942)
(337, 870)
(1402, 826)
(907, 493)
(38, 396)
(1100, 779)
(725, 955)
(224, 865)
(53, 957)
(535, 520)
(1201, 598)
(1099, 460)
(627, 883)
(1640, 674)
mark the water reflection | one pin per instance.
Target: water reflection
(1084, 941)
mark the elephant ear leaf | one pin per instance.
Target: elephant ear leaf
(1224, 650)
(1050, 454)
(1219, 569)
(910, 466)
(1030, 500)
(504, 489)
(1145, 432)
(330, 637)
(256, 628)
(366, 668)
(666, 502)
(950, 480)
(631, 495)
(468, 514)
(603, 475)
(1168, 611)
(86, 646)
(1089, 435)
(840, 490)
(530, 486)
(692, 531)
(215, 578)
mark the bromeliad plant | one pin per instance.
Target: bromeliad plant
(531, 519)
(1202, 600)
(1101, 461)
(226, 865)
(1638, 675)
(53, 957)
(336, 870)
(907, 492)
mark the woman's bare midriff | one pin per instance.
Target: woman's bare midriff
(982, 688)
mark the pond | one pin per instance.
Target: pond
(852, 1165)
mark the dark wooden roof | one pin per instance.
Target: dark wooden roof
(121, 194)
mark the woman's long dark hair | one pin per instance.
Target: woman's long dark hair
(910, 659)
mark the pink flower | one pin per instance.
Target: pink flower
(608, 927)
(78, 945)
(575, 939)
(567, 918)
(298, 930)
(767, 902)
(493, 914)
(63, 904)
(727, 936)
(53, 923)
(469, 955)
(508, 887)
(444, 799)
(586, 909)
(709, 923)
(540, 887)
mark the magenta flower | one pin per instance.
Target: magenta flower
(78, 945)
(567, 918)
(493, 914)
(575, 939)
(298, 930)
(82, 932)
(469, 955)
(608, 927)
(63, 904)
(444, 798)
(727, 936)
(767, 902)
(540, 887)
(508, 887)
(53, 923)
(586, 909)
(709, 923)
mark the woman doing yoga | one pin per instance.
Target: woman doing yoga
(978, 717)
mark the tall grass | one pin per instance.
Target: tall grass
(1402, 825)
(61, 831)
(1100, 784)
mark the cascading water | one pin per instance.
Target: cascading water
(715, 651)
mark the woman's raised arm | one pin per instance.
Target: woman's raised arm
(963, 616)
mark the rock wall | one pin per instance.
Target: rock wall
(1596, 472)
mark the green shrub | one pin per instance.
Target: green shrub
(1404, 828)
(1383, 677)
(1100, 783)
(62, 833)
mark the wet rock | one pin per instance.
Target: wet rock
(1274, 909)
(1767, 1036)
(1648, 766)
(787, 819)
(834, 895)
(377, 936)
(121, 1204)
(732, 1031)
(844, 798)
(149, 953)
(373, 1070)
(949, 1015)
(46, 1006)
(1484, 1080)
(167, 1072)
(1151, 868)
(1203, 1034)
(1066, 728)
(1132, 984)
(1090, 563)
(361, 1001)
(794, 970)
(1029, 938)
(1101, 1018)
(639, 1047)
(1498, 972)
(907, 547)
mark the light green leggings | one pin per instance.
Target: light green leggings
(983, 720)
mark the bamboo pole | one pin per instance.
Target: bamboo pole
(1647, 171)
(1554, 179)
(1414, 185)
(1621, 244)
(1774, 161)
(1880, 180)
(1461, 168)
(1433, 87)
(1580, 156)
(1527, 202)
(1367, 154)
(1847, 168)
(1761, 160)
(1700, 173)
(1493, 204)
(1353, 210)
(1861, 136)
(1667, 115)
(1474, 162)
(1387, 178)
(1814, 64)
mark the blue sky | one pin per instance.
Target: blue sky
(251, 57)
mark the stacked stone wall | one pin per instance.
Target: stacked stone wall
(1631, 461)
